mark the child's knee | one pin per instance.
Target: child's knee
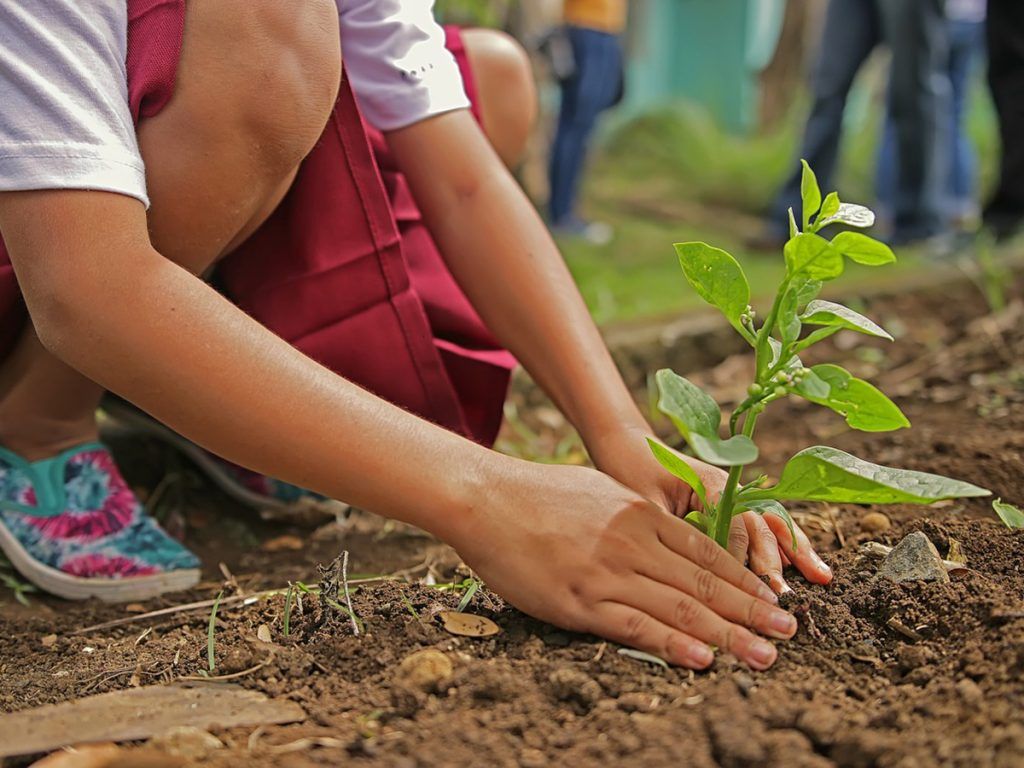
(506, 89)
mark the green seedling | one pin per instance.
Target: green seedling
(468, 597)
(1012, 517)
(211, 643)
(796, 321)
(9, 580)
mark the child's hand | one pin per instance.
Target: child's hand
(763, 543)
(573, 547)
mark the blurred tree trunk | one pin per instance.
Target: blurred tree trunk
(786, 74)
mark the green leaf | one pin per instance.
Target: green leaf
(699, 521)
(806, 290)
(828, 474)
(793, 363)
(771, 507)
(863, 405)
(1009, 514)
(851, 215)
(831, 314)
(813, 386)
(697, 417)
(829, 208)
(863, 249)
(813, 256)
(717, 277)
(675, 464)
(794, 230)
(810, 192)
(789, 317)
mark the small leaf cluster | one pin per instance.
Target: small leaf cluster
(796, 321)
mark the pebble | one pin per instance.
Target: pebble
(913, 559)
(569, 684)
(970, 691)
(875, 522)
(425, 670)
(532, 758)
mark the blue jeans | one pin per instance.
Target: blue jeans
(966, 43)
(593, 88)
(916, 32)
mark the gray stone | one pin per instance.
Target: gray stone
(913, 559)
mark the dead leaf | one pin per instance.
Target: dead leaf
(956, 553)
(468, 624)
(263, 633)
(286, 543)
(135, 608)
(136, 714)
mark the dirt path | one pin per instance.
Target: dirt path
(879, 675)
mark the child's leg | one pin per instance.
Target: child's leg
(506, 92)
(218, 159)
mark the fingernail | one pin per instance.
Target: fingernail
(700, 656)
(822, 566)
(782, 623)
(762, 654)
(768, 594)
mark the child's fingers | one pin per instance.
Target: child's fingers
(629, 626)
(764, 552)
(687, 614)
(739, 540)
(695, 593)
(804, 558)
(683, 539)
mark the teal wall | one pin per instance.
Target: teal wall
(706, 51)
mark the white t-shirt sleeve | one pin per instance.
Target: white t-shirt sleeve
(64, 115)
(395, 56)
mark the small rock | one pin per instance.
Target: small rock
(744, 682)
(425, 670)
(875, 522)
(970, 691)
(569, 684)
(637, 702)
(913, 559)
(819, 724)
(188, 742)
(910, 657)
(263, 633)
(49, 641)
(532, 758)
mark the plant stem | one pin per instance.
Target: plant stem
(727, 503)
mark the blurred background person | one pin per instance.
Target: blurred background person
(966, 20)
(1004, 213)
(594, 84)
(917, 35)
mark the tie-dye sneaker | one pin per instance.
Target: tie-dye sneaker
(72, 526)
(273, 499)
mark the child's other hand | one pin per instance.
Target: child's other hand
(762, 543)
(765, 544)
(573, 547)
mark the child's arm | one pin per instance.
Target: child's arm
(566, 544)
(503, 257)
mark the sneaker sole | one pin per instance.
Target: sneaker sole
(306, 509)
(77, 588)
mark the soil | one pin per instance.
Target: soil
(909, 675)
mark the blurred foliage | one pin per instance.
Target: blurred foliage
(473, 13)
(744, 172)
